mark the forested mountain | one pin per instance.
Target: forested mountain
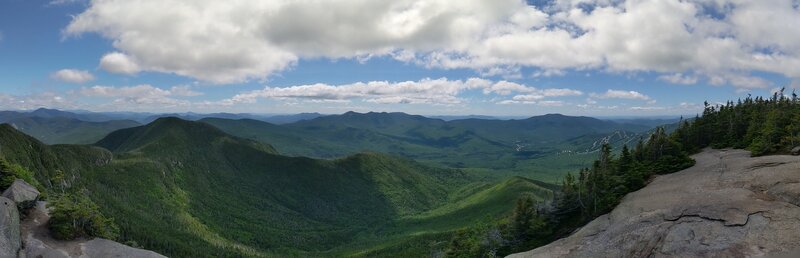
(187, 189)
(550, 144)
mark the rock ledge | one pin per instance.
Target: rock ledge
(728, 205)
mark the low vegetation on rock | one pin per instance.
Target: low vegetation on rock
(74, 216)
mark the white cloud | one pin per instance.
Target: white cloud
(234, 41)
(144, 94)
(73, 76)
(64, 2)
(543, 103)
(620, 94)
(551, 103)
(678, 78)
(34, 101)
(527, 98)
(119, 63)
(426, 91)
(748, 82)
(507, 88)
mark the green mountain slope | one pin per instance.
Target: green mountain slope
(187, 189)
(543, 147)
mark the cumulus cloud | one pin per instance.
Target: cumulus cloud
(119, 63)
(426, 91)
(234, 41)
(73, 76)
(507, 88)
(620, 94)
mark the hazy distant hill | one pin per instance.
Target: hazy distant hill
(450, 118)
(58, 130)
(285, 119)
(55, 126)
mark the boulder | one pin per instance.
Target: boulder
(10, 242)
(21, 192)
(796, 151)
(728, 205)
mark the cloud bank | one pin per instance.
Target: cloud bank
(426, 91)
(720, 41)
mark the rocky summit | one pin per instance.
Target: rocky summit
(728, 205)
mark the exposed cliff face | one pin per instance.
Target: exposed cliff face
(728, 205)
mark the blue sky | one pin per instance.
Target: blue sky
(504, 57)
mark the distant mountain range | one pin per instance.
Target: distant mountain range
(59, 127)
(533, 145)
(537, 145)
(354, 184)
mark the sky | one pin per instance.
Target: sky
(429, 57)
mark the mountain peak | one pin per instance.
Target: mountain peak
(169, 132)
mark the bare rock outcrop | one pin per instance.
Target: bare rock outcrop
(9, 228)
(728, 205)
(21, 192)
(39, 243)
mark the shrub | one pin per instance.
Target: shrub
(10, 172)
(73, 216)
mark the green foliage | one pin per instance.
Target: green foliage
(10, 172)
(763, 126)
(75, 215)
(528, 225)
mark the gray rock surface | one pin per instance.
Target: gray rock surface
(9, 228)
(796, 150)
(39, 243)
(99, 247)
(21, 192)
(728, 205)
